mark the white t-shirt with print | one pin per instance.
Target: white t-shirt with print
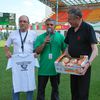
(23, 72)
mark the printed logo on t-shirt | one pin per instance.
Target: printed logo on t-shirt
(23, 65)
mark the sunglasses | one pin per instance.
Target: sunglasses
(24, 21)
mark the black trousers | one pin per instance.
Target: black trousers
(42, 82)
(80, 86)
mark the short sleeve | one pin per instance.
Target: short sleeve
(9, 40)
(35, 36)
(67, 37)
(92, 35)
(37, 42)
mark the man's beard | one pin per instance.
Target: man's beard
(23, 28)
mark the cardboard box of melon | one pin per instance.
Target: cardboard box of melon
(70, 65)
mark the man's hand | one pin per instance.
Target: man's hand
(35, 55)
(84, 69)
(41, 47)
(47, 39)
(8, 54)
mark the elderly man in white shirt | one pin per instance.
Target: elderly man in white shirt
(22, 40)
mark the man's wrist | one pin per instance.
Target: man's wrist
(89, 63)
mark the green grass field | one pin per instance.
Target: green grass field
(6, 83)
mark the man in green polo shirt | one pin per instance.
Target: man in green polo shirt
(49, 45)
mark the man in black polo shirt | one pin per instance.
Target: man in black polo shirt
(81, 40)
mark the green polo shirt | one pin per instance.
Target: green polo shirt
(55, 47)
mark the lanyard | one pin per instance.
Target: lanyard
(22, 40)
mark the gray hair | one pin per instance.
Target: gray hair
(52, 20)
(26, 17)
(75, 11)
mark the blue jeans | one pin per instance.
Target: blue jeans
(16, 96)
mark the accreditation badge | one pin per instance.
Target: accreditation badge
(50, 56)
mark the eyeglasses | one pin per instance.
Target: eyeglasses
(49, 24)
(24, 21)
